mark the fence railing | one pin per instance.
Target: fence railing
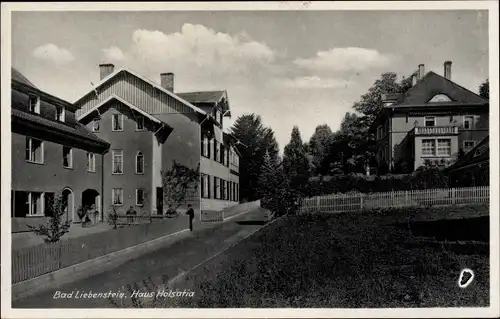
(337, 203)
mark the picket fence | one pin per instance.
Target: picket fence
(337, 203)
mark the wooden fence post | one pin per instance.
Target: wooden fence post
(453, 196)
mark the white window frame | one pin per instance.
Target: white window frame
(437, 147)
(42, 204)
(139, 119)
(113, 153)
(137, 197)
(136, 157)
(91, 162)
(466, 141)
(471, 125)
(70, 157)
(434, 146)
(36, 108)
(96, 125)
(206, 188)
(428, 118)
(120, 117)
(60, 113)
(206, 145)
(30, 146)
(113, 192)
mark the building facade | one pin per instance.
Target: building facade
(432, 123)
(52, 153)
(148, 127)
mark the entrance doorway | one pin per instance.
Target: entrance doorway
(68, 204)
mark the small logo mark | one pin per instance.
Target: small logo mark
(466, 277)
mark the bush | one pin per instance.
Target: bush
(55, 228)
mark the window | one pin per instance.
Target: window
(444, 147)
(139, 163)
(117, 122)
(67, 157)
(428, 147)
(60, 113)
(430, 121)
(139, 125)
(468, 122)
(91, 162)
(95, 125)
(205, 186)
(216, 188)
(217, 150)
(117, 194)
(117, 162)
(204, 147)
(34, 104)
(34, 150)
(139, 197)
(468, 145)
(48, 204)
(229, 189)
(224, 185)
(222, 154)
(35, 203)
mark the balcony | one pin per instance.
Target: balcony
(435, 130)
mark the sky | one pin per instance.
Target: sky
(303, 68)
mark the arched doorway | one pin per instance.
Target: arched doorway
(69, 204)
(91, 201)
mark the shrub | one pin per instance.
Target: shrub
(55, 228)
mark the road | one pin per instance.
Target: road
(180, 256)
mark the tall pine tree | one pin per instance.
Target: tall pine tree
(296, 163)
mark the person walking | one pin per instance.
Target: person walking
(130, 215)
(190, 213)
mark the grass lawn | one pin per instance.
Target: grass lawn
(368, 259)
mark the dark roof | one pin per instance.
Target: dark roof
(480, 153)
(433, 84)
(202, 97)
(17, 76)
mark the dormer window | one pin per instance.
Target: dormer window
(139, 123)
(95, 125)
(34, 104)
(440, 98)
(60, 113)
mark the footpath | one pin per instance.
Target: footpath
(186, 251)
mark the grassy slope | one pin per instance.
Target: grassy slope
(340, 261)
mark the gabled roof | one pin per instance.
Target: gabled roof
(203, 97)
(19, 77)
(152, 83)
(131, 106)
(480, 153)
(433, 84)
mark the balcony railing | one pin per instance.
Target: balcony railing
(436, 130)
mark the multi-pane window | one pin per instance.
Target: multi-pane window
(95, 125)
(117, 122)
(117, 195)
(428, 147)
(430, 121)
(468, 145)
(444, 147)
(205, 148)
(34, 150)
(468, 122)
(139, 197)
(224, 185)
(139, 124)
(35, 203)
(139, 163)
(67, 157)
(205, 186)
(60, 113)
(117, 164)
(216, 188)
(34, 104)
(217, 150)
(91, 162)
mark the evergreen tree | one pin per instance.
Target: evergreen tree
(484, 89)
(296, 163)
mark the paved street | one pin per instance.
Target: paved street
(189, 250)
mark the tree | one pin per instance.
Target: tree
(256, 140)
(484, 89)
(296, 163)
(318, 148)
(55, 228)
(180, 183)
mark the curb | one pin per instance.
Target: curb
(100, 264)
(184, 273)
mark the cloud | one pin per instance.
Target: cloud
(345, 59)
(311, 82)
(51, 52)
(113, 54)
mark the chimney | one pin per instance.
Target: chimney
(106, 69)
(447, 70)
(167, 81)
(421, 71)
(413, 80)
